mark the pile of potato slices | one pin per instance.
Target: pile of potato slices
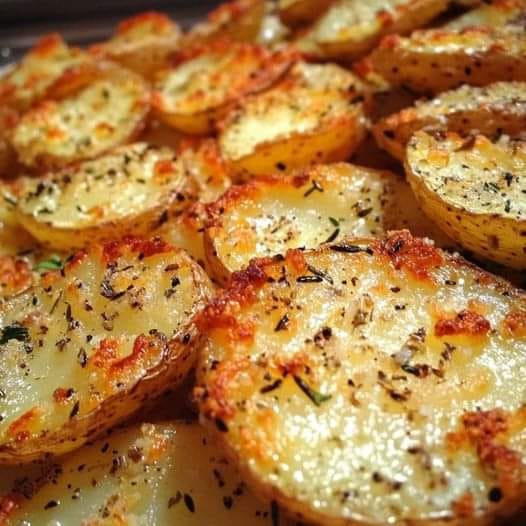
(267, 270)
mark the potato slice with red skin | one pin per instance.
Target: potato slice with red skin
(89, 110)
(183, 97)
(437, 60)
(142, 43)
(494, 109)
(373, 381)
(91, 343)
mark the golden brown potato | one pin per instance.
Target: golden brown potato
(88, 111)
(475, 190)
(91, 343)
(270, 215)
(28, 81)
(209, 80)
(494, 109)
(142, 43)
(135, 476)
(315, 114)
(372, 381)
(351, 28)
(493, 14)
(437, 60)
(299, 12)
(121, 193)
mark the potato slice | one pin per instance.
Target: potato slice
(299, 12)
(316, 114)
(270, 215)
(437, 60)
(493, 14)
(237, 20)
(142, 43)
(351, 28)
(97, 109)
(90, 344)
(123, 192)
(42, 65)
(125, 467)
(373, 381)
(200, 90)
(497, 108)
(475, 190)
(272, 32)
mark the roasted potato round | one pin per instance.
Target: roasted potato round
(142, 43)
(114, 485)
(197, 93)
(86, 112)
(475, 190)
(123, 192)
(437, 60)
(88, 345)
(495, 109)
(315, 114)
(372, 381)
(28, 81)
(351, 28)
(268, 216)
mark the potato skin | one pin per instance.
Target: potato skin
(312, 365)
(474, 190)
(182, 98)
(110, 331)
(325, 102)
(494, 109)
(437, 60)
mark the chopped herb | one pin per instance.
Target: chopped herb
(333, 236)
(274, 513)
(271, 387)
(315, 397)
(316, 187)
(309, 279)
(351, 249)
(320, 274)
(75, 410)
(189, 502)
(334, 222)
(172, 501)
(282, 324)
(14, 332)
(53, 263)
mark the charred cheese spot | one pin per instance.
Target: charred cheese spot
(464, 323)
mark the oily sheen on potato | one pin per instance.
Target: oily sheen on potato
(268, 216)
(491, 110)
(88, 345)
(167, 473)
(475, 190)
(88, 111)
(123, 192)
(372, 381)
(315, 114)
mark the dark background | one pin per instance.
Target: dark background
(80, 21)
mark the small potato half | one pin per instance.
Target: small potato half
(494, 109)
(314, 115)
(89, 110)
(371, 382)
(270, 215)
(91, 343)
(165, 473)
(123, 192)
(351, 28)
(475, 190)
(437, 60)
(197, 93)
(142, 43)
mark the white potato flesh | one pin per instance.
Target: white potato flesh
(494, 14)
(475, 189)
(351, 28)
(166, 473)
(269, 216)
(107, 111)
(91, 343)
(315, 114)
(123, 192)
(272, 32)
(437, 60)
(28, 81)
(373, 381)
(494, 109)
(193, 96)
(142, 43)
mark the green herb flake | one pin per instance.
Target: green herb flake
(53, 263)
(14, 332)
(315, 397)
